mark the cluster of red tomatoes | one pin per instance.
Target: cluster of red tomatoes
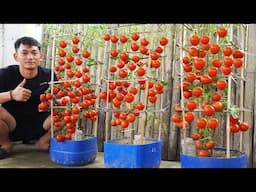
(72, 94)
(129, 76)
(207, 66)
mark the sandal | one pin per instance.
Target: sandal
(3, 153)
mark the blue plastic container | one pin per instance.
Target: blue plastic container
(117, 155)
(189, 161)
(73, 153)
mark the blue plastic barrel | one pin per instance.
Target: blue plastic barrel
(189, 161)
(73, 153)
(118, 155)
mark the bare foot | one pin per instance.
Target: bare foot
(42, 146)
(7, 146)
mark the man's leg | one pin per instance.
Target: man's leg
(7, 124)
(43, 142)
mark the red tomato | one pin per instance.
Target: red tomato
(113, 39)
(227, 51)
(75, 40)
(197, 91)
(124, 56)
(222, 32)
(234, 128)
(114, 53)
(59, 138)
(123, 39)
(106, 37)
(144, 42)
(86, 54)
(208, 110)
(131, 117)
(193, 51)
(203, 153)
(62, 44)
(189, 116)
(244, 126)
(123, 73)
(201, 123)
(135, 36)
(141, 71)
(154, 55)
(140, 106)
(233, 119)
(134, 47)
(217, 62)
(196, 136)
(191, 105)
(176, 118)
(218, 106)
(62, 53)
(210, 144)
(163, 41)
(238, 54)
(213, 123)
(194, 40)
(221, 84)
(216, 96)
(214, 48)
(70, 58)
(238, 63)
(204, 39)
(75, 49)
(199, 63)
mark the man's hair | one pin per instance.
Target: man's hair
(26, 41)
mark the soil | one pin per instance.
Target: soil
(128, 141)
(222, 153)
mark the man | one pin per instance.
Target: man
(20, 89)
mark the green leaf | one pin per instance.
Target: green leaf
(165, 83)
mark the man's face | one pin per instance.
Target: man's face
(29, 57)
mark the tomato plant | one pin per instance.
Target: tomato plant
(207, 67)
(132, 60)
(70, 96)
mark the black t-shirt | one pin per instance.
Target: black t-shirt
(26, 113)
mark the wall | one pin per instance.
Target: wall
(9, 33)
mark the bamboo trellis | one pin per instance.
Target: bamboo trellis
(242, 35)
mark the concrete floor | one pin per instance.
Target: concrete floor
(26, 156)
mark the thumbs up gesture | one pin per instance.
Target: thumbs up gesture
(22, 83)
(20, 93)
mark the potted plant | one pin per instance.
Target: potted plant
(207, 72)
(131, 88)
(71, 98)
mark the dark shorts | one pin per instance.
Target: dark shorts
(29, 128)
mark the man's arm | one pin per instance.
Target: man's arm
(5, 96)
(18, 94)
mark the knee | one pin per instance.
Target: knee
(6, 117)
(47, 123)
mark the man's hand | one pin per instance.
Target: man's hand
(20, 93)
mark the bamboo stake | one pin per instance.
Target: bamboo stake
(182, 97)
(144, 116)
(107, 100)
(97, 91)
(107, 111)
(52, 79)
(242, 97)
(163, 68)
(228, 118)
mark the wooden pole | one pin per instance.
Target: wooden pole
(242, 98)
(52, 80)
(228, 118)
